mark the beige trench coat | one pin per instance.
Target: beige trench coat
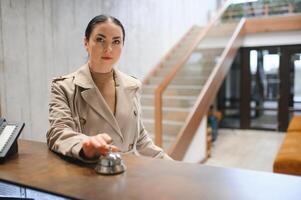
(78, 110)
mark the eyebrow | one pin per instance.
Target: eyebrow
(116, 37)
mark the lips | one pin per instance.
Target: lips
(107, 58)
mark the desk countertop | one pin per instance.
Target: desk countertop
(145, 178)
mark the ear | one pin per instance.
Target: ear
(86, 44)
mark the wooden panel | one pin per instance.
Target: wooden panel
(33, 55)
(63, 25)
(36, 73)
(48, 50)
(145, 178)
(40, 40)
(273, 23)
(207, 94)
(16, 61)
(2, 81)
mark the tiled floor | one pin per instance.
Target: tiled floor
(246, 149)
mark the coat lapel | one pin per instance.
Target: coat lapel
(123, 105)
(93, 97)
(125, 89)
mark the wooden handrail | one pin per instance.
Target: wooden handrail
(167, 55)
(206, 97)
(160, 89)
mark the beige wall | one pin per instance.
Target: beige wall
(40, 39)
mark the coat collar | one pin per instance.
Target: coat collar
(90, 93)
(83, 78)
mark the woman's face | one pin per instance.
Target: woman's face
(104, 46)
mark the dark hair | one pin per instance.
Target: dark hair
(101, 19)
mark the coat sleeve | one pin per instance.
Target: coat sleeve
(145, 145)
(63, 136)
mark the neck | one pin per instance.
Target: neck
(100, 69)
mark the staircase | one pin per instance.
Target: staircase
(182, 93)
(178, 92)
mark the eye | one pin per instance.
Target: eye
(116, 42)
(100, 39)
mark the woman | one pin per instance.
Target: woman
(98, 107)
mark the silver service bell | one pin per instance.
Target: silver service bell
(110, 164)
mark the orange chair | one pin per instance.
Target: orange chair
(295, 124)
(288, 158)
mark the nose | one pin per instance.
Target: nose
(108, 48)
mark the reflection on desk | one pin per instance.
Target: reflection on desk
(38, 168)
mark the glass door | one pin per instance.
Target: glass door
(229, 96)
(262, 89)
(295, 85)
(264, 72)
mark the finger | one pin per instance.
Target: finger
(114, 148)
(86, 143)
(103, 147)
(101, 140)
(106, 137)
(94, 142)
(88, 149)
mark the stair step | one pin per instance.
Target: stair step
(196, 65)
(222, 30)
(190, 90)
(191, 63)
(204, 53)
(209, 52)
(169, 113)
(179, 80)
(192, 76)
(188, 81)
(169, 127)
(168, 140)
(179, 53)
(186, 72)
(195, 69)
(169, 101)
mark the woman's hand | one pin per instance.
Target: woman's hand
(97, 145)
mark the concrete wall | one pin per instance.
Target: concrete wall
(41, 39)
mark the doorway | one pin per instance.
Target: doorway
(269, 81)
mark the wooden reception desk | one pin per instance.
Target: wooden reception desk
(38, 168)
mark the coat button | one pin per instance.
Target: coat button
(82, 120)
(135, 112)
